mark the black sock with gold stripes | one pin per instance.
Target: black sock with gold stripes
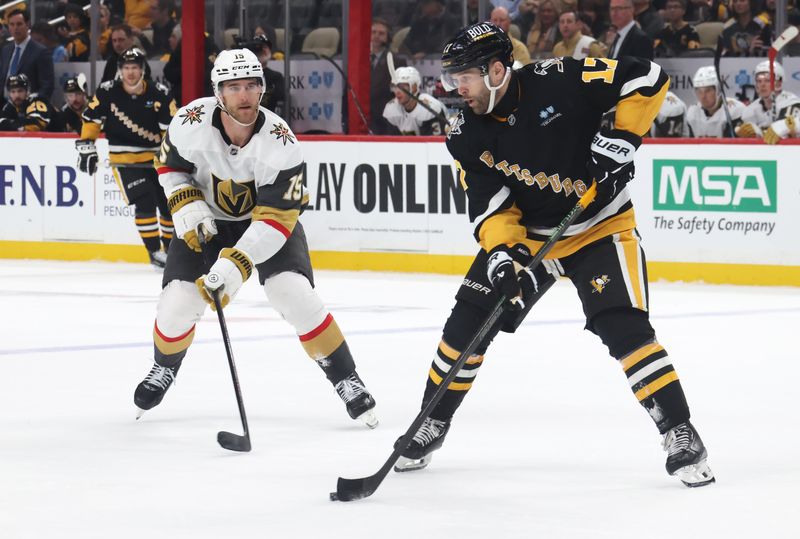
(147, 226)
(445, 358)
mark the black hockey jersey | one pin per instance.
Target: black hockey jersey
(34, 114)
(67, 121)
(133, 124)
(524, 165)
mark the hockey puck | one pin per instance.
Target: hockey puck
(334, 497)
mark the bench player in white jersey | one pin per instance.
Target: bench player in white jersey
(671, 119)
(235, 171)
(707, 118)
(406, 114)
(759, 115)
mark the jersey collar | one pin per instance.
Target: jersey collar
(216, 121)
(508, 104)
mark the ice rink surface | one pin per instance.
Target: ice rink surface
(550, 443)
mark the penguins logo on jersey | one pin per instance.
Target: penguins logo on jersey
(235, 198)
(455, 127)
(599, 283)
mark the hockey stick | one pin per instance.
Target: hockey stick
(355, 489)
(717, 56)
(393, 76)
(227, 440)
(782, 40)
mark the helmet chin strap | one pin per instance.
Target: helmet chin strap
(493, 89)
(221, 105)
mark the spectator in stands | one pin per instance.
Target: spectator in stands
(593, 17)
(24, 110)
(121, 40)
(44, 34)
(275, 96)
(624, 37)
(575, 44)
(137, 15)
(648, 19)
(69, 118)
(501, 18)
(78, 42)
(163, 22)
(677, 36)
(23, 55)
(174, 39)
(526, 14)
(172, 69)
(104, 27)
(744, 34)
(543, 35)
(511, 7)
(380, 91)
(431, 30)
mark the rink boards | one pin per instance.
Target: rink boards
(721, 213)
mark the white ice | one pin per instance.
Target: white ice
(550, 442)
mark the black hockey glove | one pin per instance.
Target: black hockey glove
(9, 124)
(87, 155)
(507, 271)
(611, 161)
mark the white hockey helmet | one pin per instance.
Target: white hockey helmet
(236, 64)
(410, 76)
(705, 76)
(763, 67)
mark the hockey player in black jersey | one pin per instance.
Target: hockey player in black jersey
(133, 112)
(70, 118)
(526, 148)
(24, 111)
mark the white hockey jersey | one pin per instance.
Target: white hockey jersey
(671, 118)
(420, 121)
(701, 125)
(758, 114)
(262, 180)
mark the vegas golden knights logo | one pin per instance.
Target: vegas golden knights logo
(234, 198)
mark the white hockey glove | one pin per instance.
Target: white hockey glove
(87, 155)
(508, 272)
(226, 276)
(189, 211)
(780, 130)
(611, 161)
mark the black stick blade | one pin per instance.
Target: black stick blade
(233, 442)
(348, 490)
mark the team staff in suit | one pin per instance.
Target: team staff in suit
(625, 38)
(25, 56)
(380, 91)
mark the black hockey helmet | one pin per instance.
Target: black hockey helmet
(475, 46)
(20, 80)
(75, 84)
(134, 55)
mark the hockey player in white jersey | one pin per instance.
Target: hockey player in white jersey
(707, 118)
(671, 118)
(234, 171)
(763, 112)
(409, 116)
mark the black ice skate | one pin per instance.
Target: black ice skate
(158, 259)
(151, 390)
(686, 456)
(360, 404)
(428, 438)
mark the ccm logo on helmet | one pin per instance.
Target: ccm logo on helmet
(479, 30)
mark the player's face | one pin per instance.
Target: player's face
(131, 74)
(762, 85)
(707, 96)
(76, 101)
(472, 89)
(402, 97)
(18, 96)
(241, 99)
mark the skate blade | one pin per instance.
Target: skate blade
(696, 475)
(139, 413)
(404, 464)
(369, 418)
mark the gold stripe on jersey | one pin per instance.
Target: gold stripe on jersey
(636, 112)
(128, 158)
(286, 218)
(134, 128)
(502, 228)
(630, 249)
(240, 260)
(90, 130)
(182, 197)
(172, 345)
